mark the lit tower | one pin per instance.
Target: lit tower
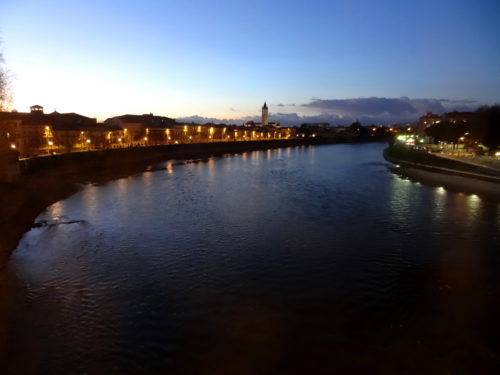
(265, 115)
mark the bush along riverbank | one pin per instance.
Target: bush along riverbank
(437, 171)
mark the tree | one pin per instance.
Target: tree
(4, 86)
(4, 102)
(486, 126)
(447, 131)
(358, 129)
(355, 126)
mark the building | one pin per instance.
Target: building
(430, 119)
(36, 133)
(265, 115)
(144, 129)
(457, 116)
(426, 121)
(265, 120)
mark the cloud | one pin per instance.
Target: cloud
(369, 111)
(365, 106)
(203, 120)
(386, 110)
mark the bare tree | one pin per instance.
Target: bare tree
(5, 97)
(5, 100)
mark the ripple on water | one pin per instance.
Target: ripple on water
(317, 255)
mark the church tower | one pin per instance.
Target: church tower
(265, 115)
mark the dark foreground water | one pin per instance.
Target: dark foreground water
(298, 260)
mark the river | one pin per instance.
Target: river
(294, 260)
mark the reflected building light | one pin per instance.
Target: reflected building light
(474, 203)
(90, 200)
(56, 210)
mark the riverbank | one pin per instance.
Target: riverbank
(46, 180)
(450, 173)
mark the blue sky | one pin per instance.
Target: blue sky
(222, 59)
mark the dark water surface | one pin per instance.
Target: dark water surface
(298, 260)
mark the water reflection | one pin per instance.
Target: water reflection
(267, 261)
(90, 198)
(169, 167)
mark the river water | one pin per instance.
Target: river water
(294, 260)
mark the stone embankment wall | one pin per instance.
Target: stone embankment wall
(432, 170)
(100, 160)
(417, 159)
(9, 167)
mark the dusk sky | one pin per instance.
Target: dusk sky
(380, 60)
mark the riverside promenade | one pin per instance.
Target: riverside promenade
(478, 161)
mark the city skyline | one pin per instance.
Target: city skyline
(311, 62)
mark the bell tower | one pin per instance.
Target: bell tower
(265, 115)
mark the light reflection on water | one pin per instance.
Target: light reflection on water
(287, 261)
